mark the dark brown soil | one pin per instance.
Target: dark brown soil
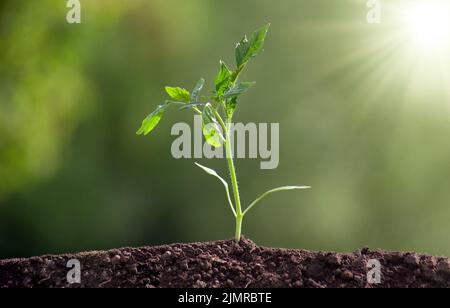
(226, 264)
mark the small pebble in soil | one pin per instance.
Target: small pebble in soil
(444, 266)
(229, 283)
(412, 259)
(184, 265)
(365, 250)
(334, 259)
(294, 259)
(132, 268)
(115, 260)
(347, 275)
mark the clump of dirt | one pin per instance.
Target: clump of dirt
(226, 264)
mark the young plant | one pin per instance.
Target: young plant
(217, 113)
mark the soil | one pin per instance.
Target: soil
(226, 264)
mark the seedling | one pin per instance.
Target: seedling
(217, 113)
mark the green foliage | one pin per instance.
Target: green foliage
(211, 127)
(222, 80)
(226, 94)
(179, 94)
(196, 92)
(238, 89)
(150, 122)
(249, 48)
(230, 106)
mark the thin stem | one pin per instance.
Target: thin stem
(222, 123)
(197, 110)
(238, 228)
(237, 199)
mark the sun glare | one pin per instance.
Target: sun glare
(429, 23)
(406, 55)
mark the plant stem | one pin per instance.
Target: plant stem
(238, 228)
(237, 199)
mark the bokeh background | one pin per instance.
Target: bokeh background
(364, 120)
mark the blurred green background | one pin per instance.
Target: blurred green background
(363, 119)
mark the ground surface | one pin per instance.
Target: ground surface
(226, 264)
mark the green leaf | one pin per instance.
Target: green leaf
(240, 88)
(150, 122)
(241, 51)
(214, 173)
(178, 94)
(222, 79)
(249, 48)
(273, 191)
(196, 92)
(230, 106)
(211, 128)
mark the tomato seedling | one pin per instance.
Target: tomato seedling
(217, 113)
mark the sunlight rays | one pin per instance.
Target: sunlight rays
(407, 55)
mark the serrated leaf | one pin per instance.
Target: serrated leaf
(238, 89)
(150, 122)
(178, 94)
(283, 188)
(248, 48)
(227, 190)
(196, 92)
(211, 127)
(241, 51)
(222, 79)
